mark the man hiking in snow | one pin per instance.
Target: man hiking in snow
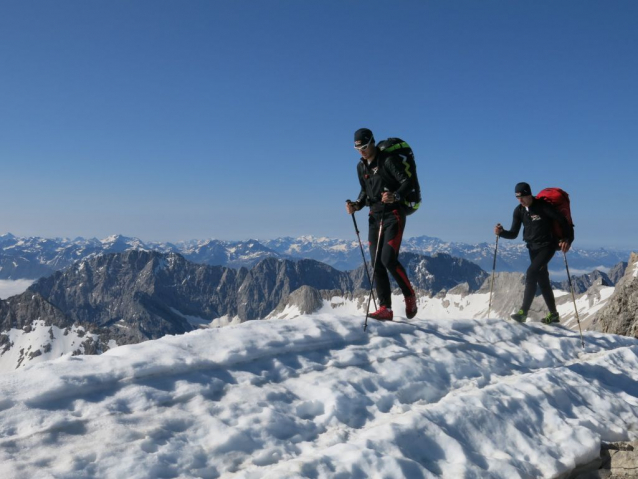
(537, 217)
(384, 183)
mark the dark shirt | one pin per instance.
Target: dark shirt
(538, 225)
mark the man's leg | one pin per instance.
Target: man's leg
(538, 274)
(393, 234)
(382, 281)
(543, 280)
(392, 237)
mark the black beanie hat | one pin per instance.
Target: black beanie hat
(523, 189)
(362, 137)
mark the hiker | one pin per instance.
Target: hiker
(384, 183)
(537, 217)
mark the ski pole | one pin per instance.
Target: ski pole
(571, 287)
(374, 266)
(492, 284)
(365, 263)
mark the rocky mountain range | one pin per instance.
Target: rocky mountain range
(35, 257)
(133, 292)
(124, 298)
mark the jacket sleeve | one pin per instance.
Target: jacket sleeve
(517, 220)
(555, 215)
(363, 197)
(397, 170)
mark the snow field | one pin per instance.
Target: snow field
(318, 397)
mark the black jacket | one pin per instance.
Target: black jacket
(538, 224)
(375, 179)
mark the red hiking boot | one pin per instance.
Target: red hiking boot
(410, 306)
(382, 314)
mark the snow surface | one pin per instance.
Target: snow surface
(319, 397)
(586, 304)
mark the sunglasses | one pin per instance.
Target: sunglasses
(364, 147)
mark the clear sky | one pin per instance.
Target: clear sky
(172, 120)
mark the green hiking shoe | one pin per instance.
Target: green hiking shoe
(520, 317)
(551, 318)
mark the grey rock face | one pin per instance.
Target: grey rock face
(620, 314)
(507, 296)
(272, 279)
(12, 267)
(306, 300)
(584, 282)
(431, 273)
(442, 271)
(507, 293)
(617, 272)
(139, 295)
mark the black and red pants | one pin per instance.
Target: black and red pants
(388, 254)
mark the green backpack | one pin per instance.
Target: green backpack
(400, 149)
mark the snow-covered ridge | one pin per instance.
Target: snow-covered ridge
(318, 397)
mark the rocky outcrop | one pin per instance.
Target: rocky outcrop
(620, 314)
(584, 282)
(617, 272)
(431, 274)
(507, 293)
(618, 460)
(305, 300)
(271, 280)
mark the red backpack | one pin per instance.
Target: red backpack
(559, 199)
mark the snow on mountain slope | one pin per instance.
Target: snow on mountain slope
(318, 397)
(587, 305)
(42, 343)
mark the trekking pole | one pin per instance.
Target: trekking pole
(365, 263)
(492, 285)
(374, 266)
(571, 287)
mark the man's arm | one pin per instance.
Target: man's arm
(565, 242)
(397, 170)
(515, 228)
(361, 200)
(566, 228)
(363, 196)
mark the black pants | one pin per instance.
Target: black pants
(538, 274)
(388, 259)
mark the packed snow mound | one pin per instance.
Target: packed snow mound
(319, 397)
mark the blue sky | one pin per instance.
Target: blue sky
(173, 120)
